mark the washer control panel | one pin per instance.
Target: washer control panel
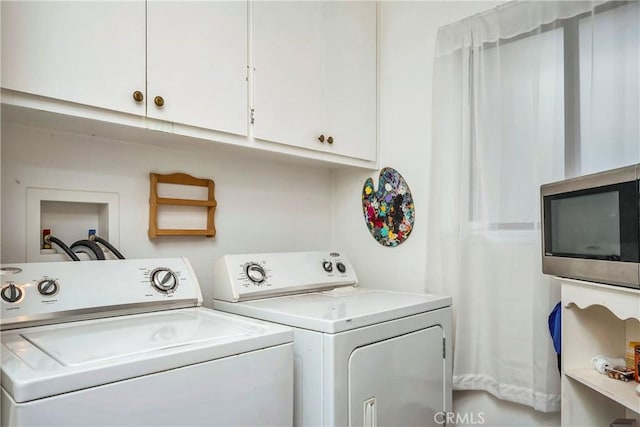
(256, 273)
(164, 280)
(251, 276)
(50, 292)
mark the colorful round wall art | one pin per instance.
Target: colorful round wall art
(389, 211)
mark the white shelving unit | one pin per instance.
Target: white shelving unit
(597, 320)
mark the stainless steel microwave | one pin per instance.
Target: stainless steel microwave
(590, 227)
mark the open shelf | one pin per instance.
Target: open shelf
(622, 392)
(597, 319)
(181, 179)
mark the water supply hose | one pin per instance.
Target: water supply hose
(89, 248)
(51, 239)
(107, 245)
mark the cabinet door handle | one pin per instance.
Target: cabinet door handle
(321, 138)
(159, 101)
(138, 96)
(330, 140)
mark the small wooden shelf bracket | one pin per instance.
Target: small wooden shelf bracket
(180, 179)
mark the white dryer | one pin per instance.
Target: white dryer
(126, 343)
(362, 357)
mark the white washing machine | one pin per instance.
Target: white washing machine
(126, 343)
(362, 357)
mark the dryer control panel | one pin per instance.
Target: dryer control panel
(52, 292)
(251, 276)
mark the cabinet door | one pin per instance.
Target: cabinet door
(349, 81)
(288, 45)
(315, 74)
(90, 52)
(197, 62)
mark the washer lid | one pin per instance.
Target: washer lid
(338, 310)
(49, 360)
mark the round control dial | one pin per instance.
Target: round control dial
(341, 267)
(11, 293)
(48, 287)
(327, 266)
(164, 280)
(255, 273)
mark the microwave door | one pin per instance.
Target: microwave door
(593, 234)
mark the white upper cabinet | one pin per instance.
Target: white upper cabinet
(88, 52)
(190, 57)
(314, 83)
(291, 77)
(197, 63)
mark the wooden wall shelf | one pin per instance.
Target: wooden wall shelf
(180, 179)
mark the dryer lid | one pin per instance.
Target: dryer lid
(49, 360)
(337, 310)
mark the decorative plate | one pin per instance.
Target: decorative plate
(389, 211)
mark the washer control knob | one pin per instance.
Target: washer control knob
(11, 293)
(164, 280)
(255, 273)
(341, 267)
(328, 266)
(48, 287)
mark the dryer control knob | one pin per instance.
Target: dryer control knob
(164, 280)
(255, 273)
(11, 293)
(48, 287)
(341, 267)
(328, 266)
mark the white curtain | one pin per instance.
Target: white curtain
(524, 94)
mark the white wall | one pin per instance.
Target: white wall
(408, 34)
(263, 205)
(407, 40)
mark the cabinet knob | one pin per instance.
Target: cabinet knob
(159, 101)
(138, 96)
(330, 140)
(321, 138)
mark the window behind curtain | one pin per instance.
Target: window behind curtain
(610, 89)
(524, 100)
(519, 120)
